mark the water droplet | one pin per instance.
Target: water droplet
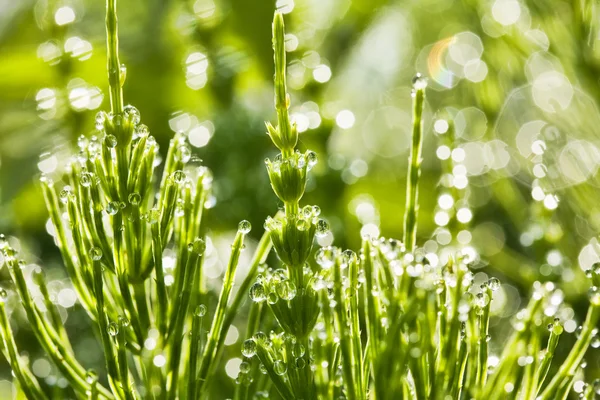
(179, 177)
(122, 74)
(419, 82)
(112, 208)
(249, 348)
(110, 141)
(595, 342)
(257, 293)
(302, 224)
(272, 298)
(65, 194)
(91, 376)
(300, 363)
(113, 329)
(322, 228)
(3, 295)
(260, 337)
(134, 198)
(482, 300)
(494, 284)
(244, 227)
(184, 153)
(348, 256)
(298, 350)
(244, 367)
(311, 159)
(200, 311)
(140, 131)
(82, 142)
(325, 257)
(198, 246)
(96, 253)
(123, 321)
(307, 212)
(100, 119)
(594, 295)
(86, 179)
(279, 367)
(286, 290)
(132, 114)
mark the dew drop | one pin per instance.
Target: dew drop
(134, 198)
(96, 253)
(122, 74)
(200, 310)
(260, 337)
(286, 290)
(86, 179)
(249, 348)
(298, 350)
(140, 131)
(494, 284)
(419, 82)
(594, 295)
(482, 300)
(3, 295)
(100, 119)
(132, 114)
(198, 246)
(244, 227)
(91, 376)
(307, 212)
(110, 141)
(179, 177)
(112, 208)
(82, 142)
(257, 293)
(302, 224)
(325, 257)
(184, 154)
(322, 228)
(272, 298)
(311, 159)
(65, 194)
(244, 367)
(279, 367)
(113, 329)
(123, 321)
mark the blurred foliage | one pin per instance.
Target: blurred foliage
(205, 67)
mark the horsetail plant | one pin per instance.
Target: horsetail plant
(396, 321)
(118, 224)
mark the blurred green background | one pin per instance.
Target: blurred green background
(519, 79)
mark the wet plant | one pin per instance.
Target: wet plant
(114, 223)
(392, 320)
(396, 320)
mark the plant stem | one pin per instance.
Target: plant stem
(115, 80)
(414, 168)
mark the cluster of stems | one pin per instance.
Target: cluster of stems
(391, 322)
(115, 226)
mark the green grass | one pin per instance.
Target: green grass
(392, 321)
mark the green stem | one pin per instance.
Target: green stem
(567, 371)
(211, 349)
(114, 66)
(414, 168)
